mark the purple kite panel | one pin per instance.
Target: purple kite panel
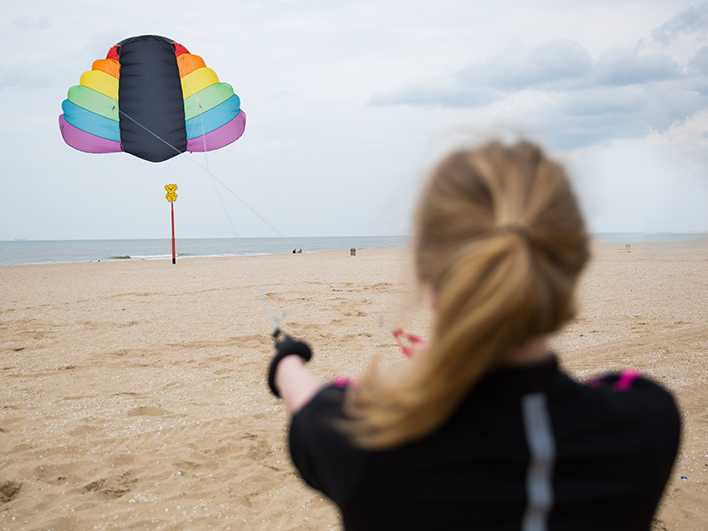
(220, 137)
(87, 142)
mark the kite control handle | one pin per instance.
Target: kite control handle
(286, 347)
(406, 341)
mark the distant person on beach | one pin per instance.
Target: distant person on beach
(294, 251)
(483, 429)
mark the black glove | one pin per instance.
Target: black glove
(286, 347)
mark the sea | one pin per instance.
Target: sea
(22, 252)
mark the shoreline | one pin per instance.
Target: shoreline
(628, 241)
(80, 251)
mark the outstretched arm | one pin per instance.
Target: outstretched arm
(295, 383)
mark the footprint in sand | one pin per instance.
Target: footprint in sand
(112, 489)
(8, 490)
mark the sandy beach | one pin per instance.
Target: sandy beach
(134, 397)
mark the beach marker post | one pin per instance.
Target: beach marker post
(172, 197)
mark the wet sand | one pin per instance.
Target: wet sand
(133, 393)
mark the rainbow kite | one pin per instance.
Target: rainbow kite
(153, 99)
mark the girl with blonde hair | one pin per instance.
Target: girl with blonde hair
(483, 430)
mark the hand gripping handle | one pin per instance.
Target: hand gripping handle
(286, 347)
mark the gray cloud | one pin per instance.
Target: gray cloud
(558, 62)
(691, 20)
(588, 116)
(603, 101)
(699, 62)
(622, 67)
(554, 66)
(621, 94)
(552, 62)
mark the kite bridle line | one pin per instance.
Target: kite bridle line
(269, 310)
(397, 333)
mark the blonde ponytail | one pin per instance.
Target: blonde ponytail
(500, 239)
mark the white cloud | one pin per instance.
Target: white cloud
(635, 186)
(687, 138)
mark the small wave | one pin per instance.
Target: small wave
(152, 257)
(142, 257)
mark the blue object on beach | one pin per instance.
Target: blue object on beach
(684, 477)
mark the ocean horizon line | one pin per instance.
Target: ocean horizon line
(32, 252)
(594, 234)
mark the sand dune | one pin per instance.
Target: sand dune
(133, 393)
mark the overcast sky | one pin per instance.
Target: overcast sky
(350, 103)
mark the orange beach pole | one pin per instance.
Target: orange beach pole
(172, 197)
(174, 256)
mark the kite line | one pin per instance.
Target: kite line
(405, 341)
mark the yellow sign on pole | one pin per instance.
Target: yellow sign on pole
(171, 195)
